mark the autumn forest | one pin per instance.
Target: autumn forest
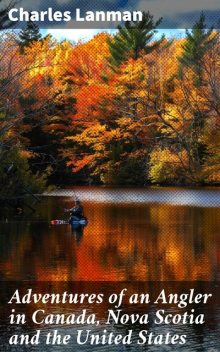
(133, 108)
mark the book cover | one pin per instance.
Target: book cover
(109, 174)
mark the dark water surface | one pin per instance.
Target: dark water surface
(134, 235)
(131, 235)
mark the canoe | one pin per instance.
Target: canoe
(73, 222)
(82, 222)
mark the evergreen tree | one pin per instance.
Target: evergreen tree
(132, 39)
(28, 36)
(4, 20)
(198, 42)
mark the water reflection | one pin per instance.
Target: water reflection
(121, 242)
(77, 231)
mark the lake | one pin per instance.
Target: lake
(133, 235)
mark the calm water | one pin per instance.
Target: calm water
(132, 235)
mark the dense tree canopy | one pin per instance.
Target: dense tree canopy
(66, 116)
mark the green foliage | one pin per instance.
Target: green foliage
(124, 172)
(16, 177)
(132, 39)
(198, 42)
(165, 167)
(28, 36)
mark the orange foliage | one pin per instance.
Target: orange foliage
(144, 108)
(88, 60)
(89, 99)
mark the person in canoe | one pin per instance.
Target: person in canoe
(77, 217)
(77, 211)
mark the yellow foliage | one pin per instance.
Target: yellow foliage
(166, 166)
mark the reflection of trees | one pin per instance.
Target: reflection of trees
(156, 243)
(120, 243)
(40, 254)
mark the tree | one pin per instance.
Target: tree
(198, 42)
(114, 115)
(132, 39)
(4, 20)
(62, 105)
(28, 36)
(43, 129)
(190, 111)
(18, 80)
